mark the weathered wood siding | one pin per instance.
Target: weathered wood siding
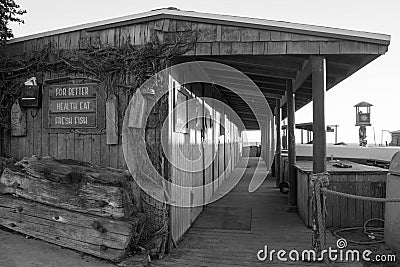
(91, 148)
(359, 180)
(41, 141)
(268, 140)
(219, 150)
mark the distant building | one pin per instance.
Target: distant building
(395, 138)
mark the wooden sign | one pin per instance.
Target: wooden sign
(73, 91)
(72, 106)
(363, 119)
(72, 120)
(18, 120)
(112, 120)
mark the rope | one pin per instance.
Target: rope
(319, 184)
(376, 199)
(320, 219)
(371, 232)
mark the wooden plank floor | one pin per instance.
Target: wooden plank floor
(231, 231)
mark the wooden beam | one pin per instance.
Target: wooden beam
(272, 95)
(258, 108)
(278, 142)
(349, 60)
(251, 92)
(300, 98)
(303, 96)
(249, 100)
(301, 78)
(248, 120)
(281, 74)
(304, 90)
(263, 89)
(261, 105)
(284, 100)
(247, 117)
(255, 72)
(271, 88)
(302, 75)
(242, 81)
(291, 146)
(336, 71)
(319, 88)
(281, 62)
(252, 127)
(241, 112)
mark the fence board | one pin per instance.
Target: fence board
(29, 133)
(78, 153)
(62, 146)
(70, 145)
(96, 149)
(53, 145)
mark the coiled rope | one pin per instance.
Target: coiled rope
(319, 183)
(375, 233)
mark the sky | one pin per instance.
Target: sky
(376, 83)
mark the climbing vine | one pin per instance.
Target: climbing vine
(119, 68)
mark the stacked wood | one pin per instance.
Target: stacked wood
(89, 208)
(72, 185)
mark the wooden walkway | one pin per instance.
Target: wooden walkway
(231, 231)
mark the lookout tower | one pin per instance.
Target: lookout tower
(363, 119)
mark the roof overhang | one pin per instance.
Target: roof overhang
(345, 52)
(171, 13)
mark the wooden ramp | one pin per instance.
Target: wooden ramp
(233, 229)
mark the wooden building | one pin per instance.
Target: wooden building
(395, 138)
(292, 65)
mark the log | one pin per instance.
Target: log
(102, 237)
(73, 204)
(5, 163)
(73, 185)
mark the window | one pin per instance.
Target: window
(180, 110)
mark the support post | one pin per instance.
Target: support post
(336, 133)
(278, 142)
(318, 65)
(302, 139)
(291, 146)
(318, 96)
